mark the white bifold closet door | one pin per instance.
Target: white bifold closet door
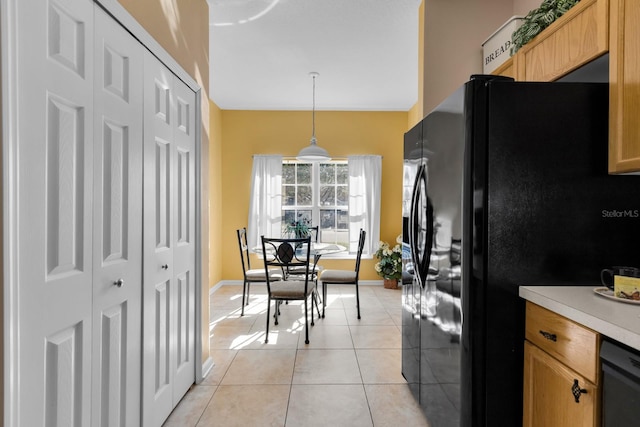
(169, 241)
(117, 225)
(80, 203)
(55, 186)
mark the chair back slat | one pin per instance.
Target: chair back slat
(286, 253)
(314, 233)
(361, 240)
(244, 249)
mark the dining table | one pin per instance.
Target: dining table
(318, 249)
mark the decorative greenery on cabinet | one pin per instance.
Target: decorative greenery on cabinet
(539, 19)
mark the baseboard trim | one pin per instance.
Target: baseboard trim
(207, 366)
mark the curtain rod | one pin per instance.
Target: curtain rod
(294, 157)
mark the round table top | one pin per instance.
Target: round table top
(316, 249)
(326, 248)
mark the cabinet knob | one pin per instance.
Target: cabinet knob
(577, 391)
(549, 336)
(165, 266)
(118, 283)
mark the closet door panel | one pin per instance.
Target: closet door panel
(159, 292)
(117, 210)
(184, 231)
(54, 179)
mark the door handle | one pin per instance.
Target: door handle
(165, 266)
(577, 391)
(118, 283)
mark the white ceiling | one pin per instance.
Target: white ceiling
(262, 51)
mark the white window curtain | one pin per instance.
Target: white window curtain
(365, 183)
(265, 207)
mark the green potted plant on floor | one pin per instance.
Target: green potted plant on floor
(389, 265)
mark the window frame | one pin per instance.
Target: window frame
(315, 206)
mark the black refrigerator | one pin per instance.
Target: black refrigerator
(505, 184)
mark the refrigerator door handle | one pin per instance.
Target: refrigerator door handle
(426, 254)
(421, 260)
(413, 226)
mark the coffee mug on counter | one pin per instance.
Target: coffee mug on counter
(607, 275)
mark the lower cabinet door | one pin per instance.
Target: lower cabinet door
(554, 394)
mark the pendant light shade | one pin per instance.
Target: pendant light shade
(313, 152)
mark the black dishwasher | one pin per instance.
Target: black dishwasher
(620, 385)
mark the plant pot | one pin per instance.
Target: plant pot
(391, 283)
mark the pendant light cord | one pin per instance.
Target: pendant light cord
(313, 114)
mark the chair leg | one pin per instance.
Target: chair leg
(358, 300)
(306, 322)
(266, 336)
(276, 311)
(324, 298)
(318, 293)
(315, 300)
(316, 296)
(244, 292)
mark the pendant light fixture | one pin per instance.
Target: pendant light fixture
(313, 152)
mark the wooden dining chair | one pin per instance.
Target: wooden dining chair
(284, 254)
(343, 277)
(256, 275)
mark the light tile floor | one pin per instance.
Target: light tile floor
(348, 375)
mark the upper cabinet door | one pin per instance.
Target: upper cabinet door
(54, 210)
(577, 37)
(624, 78)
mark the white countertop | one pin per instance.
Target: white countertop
(614, 319)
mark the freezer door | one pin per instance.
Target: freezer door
(410, 285)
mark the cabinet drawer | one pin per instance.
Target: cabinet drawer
(570, 343)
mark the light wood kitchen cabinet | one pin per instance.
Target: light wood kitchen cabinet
(624, 92)
(577, 37)
(561, 371)
(507, 69)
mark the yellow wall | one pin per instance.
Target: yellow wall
(216, 249)
(417, 111)
(245, 133)
(522, 7)
(453, 35)
(182, 29)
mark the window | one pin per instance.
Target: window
(317, 194)
(341, 197)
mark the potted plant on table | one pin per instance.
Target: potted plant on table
(389, 266)
(298, 229)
